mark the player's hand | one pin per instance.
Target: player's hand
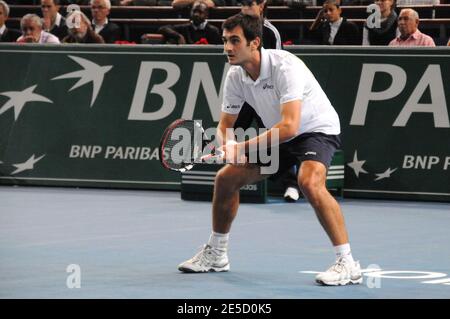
(233, 153)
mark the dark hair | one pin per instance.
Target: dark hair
(249, 3)
(251, 26)
(335, 3)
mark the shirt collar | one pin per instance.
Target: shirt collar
(337, 23)
(100, 25)
(413, 36)
(2, 29)
(264, 69)
(202, 25)
(58, 19)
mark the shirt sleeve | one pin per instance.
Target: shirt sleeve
(290, 81)
(233, 97)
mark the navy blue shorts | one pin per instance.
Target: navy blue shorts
(318, 147)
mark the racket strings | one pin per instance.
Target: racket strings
(178, 152)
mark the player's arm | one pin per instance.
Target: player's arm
(227, 120)
(287, 128)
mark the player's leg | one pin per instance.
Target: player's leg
(312, 182)
(229, 180)
(227, 184)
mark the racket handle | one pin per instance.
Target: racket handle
(216, 154)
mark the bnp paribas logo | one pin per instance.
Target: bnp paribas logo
(87, 73)
(357, 165)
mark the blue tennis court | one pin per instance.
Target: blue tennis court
(127, 244)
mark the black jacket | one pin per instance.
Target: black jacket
(10, 35)
(210, 32)
(110, 33)
(386, 33)
(60, 30)
(347, 34)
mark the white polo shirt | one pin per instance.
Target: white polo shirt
(283, 78)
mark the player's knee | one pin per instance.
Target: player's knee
(226, 180)
(310, 184)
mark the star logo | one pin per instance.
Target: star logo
(386, 174)
(91, 73)
(18, 99)
(29, 164)
(357, 165)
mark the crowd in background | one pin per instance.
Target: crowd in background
(330, 27)
(397, 27)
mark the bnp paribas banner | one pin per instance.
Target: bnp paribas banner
(93, 115)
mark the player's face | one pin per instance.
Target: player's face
(235, 46)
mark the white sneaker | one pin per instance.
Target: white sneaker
(206, 260)
(341, 273)
(291, 194)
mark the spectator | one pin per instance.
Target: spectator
(110, 32)
(388, 25)
(6, 34)
(80, 30)
(410, 36)
(53, 22)
(31, 26)
(195, 30)
(271, 37)
(334, 29)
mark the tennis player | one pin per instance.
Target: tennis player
(290, 101)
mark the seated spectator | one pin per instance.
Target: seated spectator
(31, 26)
(6, 34)
(110, 32)
(416, 2)
(271, 37)
(408, 23)
(388, 25)
(53, 22)
(80, 30)
(194, 31)
(334, 29)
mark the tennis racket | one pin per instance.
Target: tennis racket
(184, 144)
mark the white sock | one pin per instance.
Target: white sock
(219, 241)
(344, 251)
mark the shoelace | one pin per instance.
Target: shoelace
(339, 265)
(205, 255)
